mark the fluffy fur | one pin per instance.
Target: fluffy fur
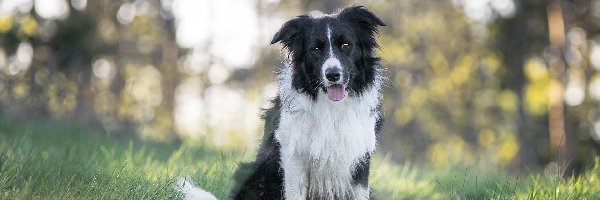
(318, 138)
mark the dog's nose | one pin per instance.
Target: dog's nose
(333, 74)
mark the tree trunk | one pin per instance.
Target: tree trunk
(556, 118)
(514, 44)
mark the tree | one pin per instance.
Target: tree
(520, 37)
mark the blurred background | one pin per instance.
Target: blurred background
(514, 83)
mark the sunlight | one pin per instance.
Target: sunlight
(143, 92)
(228, 29)
(79, 4)
(104, 69)
(218, 74)
(24, 54)
(224, 36)
(235, 33)
(225, 113)
(20, 63)
(126, 13)
(506, 8)
(595, 57)
(195, 62)
(52, 9)
(574, 93)
(7, 7)
(189, 108)
(485, 11)
(478, 10)
(193, 19)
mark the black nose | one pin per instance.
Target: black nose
(333, 74)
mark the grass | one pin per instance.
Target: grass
(47, 160)
(50, 161)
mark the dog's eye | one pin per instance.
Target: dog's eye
(316, 49)
(345, 45)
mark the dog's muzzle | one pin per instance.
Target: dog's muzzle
(335, 89)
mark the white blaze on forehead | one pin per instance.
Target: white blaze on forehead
(331, 61)
(329, 38)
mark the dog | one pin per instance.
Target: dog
(321, 129)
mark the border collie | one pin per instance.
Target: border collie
(321, 129)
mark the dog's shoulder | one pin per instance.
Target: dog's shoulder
(262, 178)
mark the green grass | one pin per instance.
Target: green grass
(46, 160)
(49, 161)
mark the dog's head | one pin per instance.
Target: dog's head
(333, 54)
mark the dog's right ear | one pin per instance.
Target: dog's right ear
(291, 30)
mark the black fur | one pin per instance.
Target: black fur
(304, 34)
(303, 38)
(360, 175)
(263, 178)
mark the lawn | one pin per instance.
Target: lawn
(50, 160)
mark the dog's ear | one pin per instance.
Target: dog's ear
(291, 30)
(362, 18)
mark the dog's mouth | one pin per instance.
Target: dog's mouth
(336, 92)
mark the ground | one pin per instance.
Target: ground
(51, 160)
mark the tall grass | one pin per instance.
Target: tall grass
(46, 160)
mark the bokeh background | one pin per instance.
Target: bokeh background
(514, 83)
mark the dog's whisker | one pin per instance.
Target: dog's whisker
(319, 84)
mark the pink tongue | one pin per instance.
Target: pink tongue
(336, 92)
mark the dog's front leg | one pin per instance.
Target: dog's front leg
(294, 177)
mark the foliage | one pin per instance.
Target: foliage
(444, 92)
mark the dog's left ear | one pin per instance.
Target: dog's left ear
(360, 17)
(291, 30)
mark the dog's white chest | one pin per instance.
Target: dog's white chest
(329, 131)
(322, 141)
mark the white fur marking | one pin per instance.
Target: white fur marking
(329, 38)
(191, 191)
(332, 61)
(321, 141)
